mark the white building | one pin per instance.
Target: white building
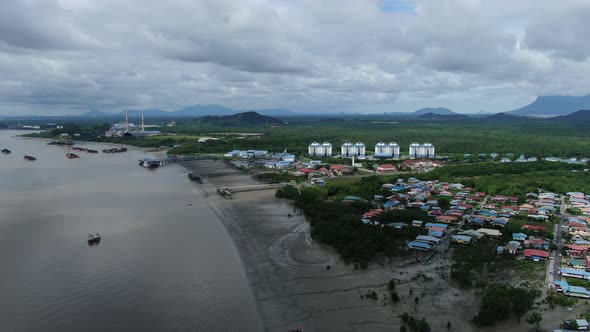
(320, 150)
(390, 150)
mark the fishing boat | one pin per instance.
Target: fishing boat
(91, 151)
(30, 157)
(93, 239)
(6, 151)
(70, 155)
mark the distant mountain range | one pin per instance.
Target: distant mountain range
(187, 112)
(548, 106)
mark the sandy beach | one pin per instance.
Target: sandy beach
(293, 287)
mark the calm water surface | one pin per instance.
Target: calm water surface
(162, 265)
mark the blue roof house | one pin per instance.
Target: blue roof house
(519, 236)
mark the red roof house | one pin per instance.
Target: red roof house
(536, 254)
(386, 168)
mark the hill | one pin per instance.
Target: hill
(548, 106)
(438, 111)
(240, 120)
(504, 117)
(578, 116)
(433, 116)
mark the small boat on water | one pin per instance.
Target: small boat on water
(70, 155)
(114, 150)
(27, 157)
(91, 151)
(6, 151)
(61, 143)
(93, 239)
(77, 148)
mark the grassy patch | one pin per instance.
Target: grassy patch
(530, 270)
(578, 282)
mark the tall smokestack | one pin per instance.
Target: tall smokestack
(142, 124)
(126, 121)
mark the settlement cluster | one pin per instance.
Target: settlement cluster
(474, 215)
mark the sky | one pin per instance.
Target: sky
(71, 56)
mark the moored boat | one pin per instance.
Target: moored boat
(6, 151)
(114, 150)
(77, 148)
(93, 239)
(27, 157)
(91, 151)
(70, 155)
(61, 143)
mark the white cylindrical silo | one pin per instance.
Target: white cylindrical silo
(327, 149)
(312, 149)
(359, 149)
(394, 149)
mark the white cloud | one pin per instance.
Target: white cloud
(67, 56)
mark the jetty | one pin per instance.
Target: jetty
(199, 177)
(225, 191)
(151, 162)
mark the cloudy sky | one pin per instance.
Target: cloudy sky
(69, 56)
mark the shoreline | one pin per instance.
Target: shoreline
(293, 288)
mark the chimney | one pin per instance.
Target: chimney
(142, 124)
(126, 121)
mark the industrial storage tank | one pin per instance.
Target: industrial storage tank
(347, 149)
(383, 150)
(394, 149)
(427, 150)
(360, 148)
(415, 150)
(314, 149)
(327, 149)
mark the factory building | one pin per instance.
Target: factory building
(383, 150)
(357, 149)
(418, 150)
(320, 150)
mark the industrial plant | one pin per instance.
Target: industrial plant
(382, 150)
(129, 129)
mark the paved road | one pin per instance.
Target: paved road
(558, 240)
